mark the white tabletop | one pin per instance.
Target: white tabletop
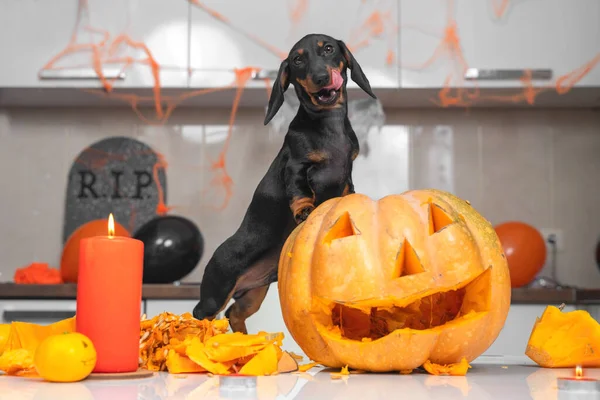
(490, 378)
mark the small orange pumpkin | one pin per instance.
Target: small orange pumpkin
(69, 260)
(388, 285)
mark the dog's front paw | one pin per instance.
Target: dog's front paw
(303, 214)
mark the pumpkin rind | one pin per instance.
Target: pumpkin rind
(564, 339)
(354, 253)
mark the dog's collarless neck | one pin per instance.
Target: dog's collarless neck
(324, 117)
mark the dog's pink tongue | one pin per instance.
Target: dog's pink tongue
(336, 80)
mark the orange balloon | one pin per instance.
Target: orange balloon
(525, 251)
(69, 261)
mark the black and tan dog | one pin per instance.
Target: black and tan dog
(314, 165)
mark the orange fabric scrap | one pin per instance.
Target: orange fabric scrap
(457, 369)
(38, 273)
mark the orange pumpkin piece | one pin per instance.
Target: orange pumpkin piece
(564, 339)
(457, 369)
(306, 367)
(287, 363)
(263, 363)
(196, 352)
(15, 361)
(387, 285)
(342, 374)
(178, 364)
(231, 346)
(4, 332)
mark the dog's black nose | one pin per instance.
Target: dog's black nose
(205, 309)
(321, 79)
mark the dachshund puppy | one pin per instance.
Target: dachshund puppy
(313, 165)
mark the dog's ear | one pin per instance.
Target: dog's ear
(279, 87)
(356, 72)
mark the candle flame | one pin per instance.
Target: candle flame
(578, 371)
(111, 226)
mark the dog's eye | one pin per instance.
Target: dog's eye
(297, 60)
(328, 49)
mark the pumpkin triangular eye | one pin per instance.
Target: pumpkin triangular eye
(438, 219)
(342, 228)
(407, 261)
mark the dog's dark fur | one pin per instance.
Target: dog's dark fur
(314, 165)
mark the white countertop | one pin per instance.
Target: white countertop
(490, 378)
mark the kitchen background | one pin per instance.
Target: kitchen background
(523, 147)
(496, 101)
(536, 166)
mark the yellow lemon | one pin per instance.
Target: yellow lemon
(66, 357)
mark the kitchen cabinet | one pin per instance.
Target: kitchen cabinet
(226, 35)
(33, 32)
(556, 35)
(43, 311)
(35, 311)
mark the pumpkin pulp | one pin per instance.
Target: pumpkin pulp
(372, 322)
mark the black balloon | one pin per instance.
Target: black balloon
(173, 246)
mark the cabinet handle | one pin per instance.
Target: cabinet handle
(10, 316)
(80, 74)
(476, 74)
(265, 74)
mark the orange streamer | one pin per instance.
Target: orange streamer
(161, 208)
(566, 82)
(254, 38)
(500, 7)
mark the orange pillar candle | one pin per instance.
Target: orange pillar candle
(109, 296)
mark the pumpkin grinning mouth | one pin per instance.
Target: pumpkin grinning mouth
(426, 313)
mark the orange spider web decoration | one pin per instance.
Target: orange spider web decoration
(377, 24)
(450, 46)
(103, 52)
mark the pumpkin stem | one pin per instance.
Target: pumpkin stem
(561, 306)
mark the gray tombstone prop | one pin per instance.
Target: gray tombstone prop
(113, 175)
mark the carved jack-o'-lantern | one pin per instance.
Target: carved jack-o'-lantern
(387, 285)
